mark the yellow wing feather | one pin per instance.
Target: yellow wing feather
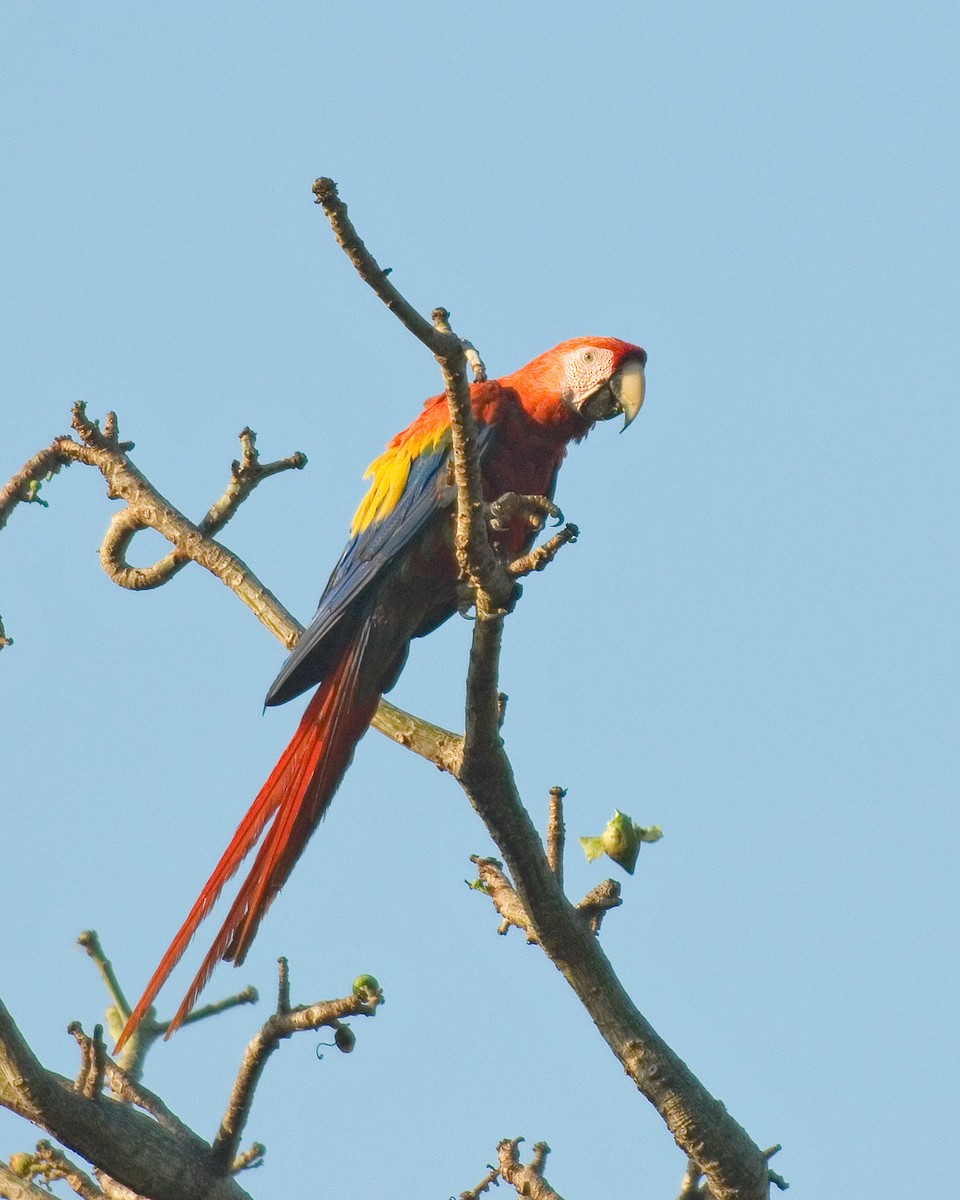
(389, 473)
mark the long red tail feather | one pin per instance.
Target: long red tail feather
(296, 794)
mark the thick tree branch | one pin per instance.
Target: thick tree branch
(733, 1164)
(128, 1145)
(151, 1154)
(699, 1123)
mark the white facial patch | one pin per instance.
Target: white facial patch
(587, 369)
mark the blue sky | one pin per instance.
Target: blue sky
(753, 645)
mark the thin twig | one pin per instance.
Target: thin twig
(690, 1186)
(283, 985)
(245, 475)
(90, 941)
(503, 896)
(150, 1029)
(23, 487)
(491, 1179)
(541, 556)
(246, 1159)
(777, 1180)
(93, 1061)
(556, 833)
(279, 1026)
(58, 1166)
(597, 903)
(527, 1179)
(248, 995)
(19, 1187)
(370, 271)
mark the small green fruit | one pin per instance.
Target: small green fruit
(620, 841)
(365, 983)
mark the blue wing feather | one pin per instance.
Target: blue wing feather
(364, 558)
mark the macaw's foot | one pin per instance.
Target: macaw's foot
(511, 507)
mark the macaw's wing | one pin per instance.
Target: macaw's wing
(373, 548)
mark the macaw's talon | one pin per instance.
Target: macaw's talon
(511, 507)
(511, 601)
(464, 598)
(501, 603)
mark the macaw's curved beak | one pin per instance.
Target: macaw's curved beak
(628, 385)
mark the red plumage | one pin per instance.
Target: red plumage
(396, 580)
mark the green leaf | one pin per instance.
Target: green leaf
(592, 847)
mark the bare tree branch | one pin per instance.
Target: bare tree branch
(152, 1153)
(440, 343)
(128, 1145)
(131, 1147)
(15, 1180)
(145, 507)
(556, 833)
(503, 896)
(284, 1023)
(150, 1029)
(132, 1091)
(733, 1164)
(93, 1055)
(245, 475)
(597, 903)
(491, 1179)
(527, 1179)
(56, 1165)
(699, 1123)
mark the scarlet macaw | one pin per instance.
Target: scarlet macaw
(396, 580)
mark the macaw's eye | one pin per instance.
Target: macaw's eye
(588, 356)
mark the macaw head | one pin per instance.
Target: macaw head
(595, 378)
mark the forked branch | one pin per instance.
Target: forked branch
(146, 508)
(733, 1165)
